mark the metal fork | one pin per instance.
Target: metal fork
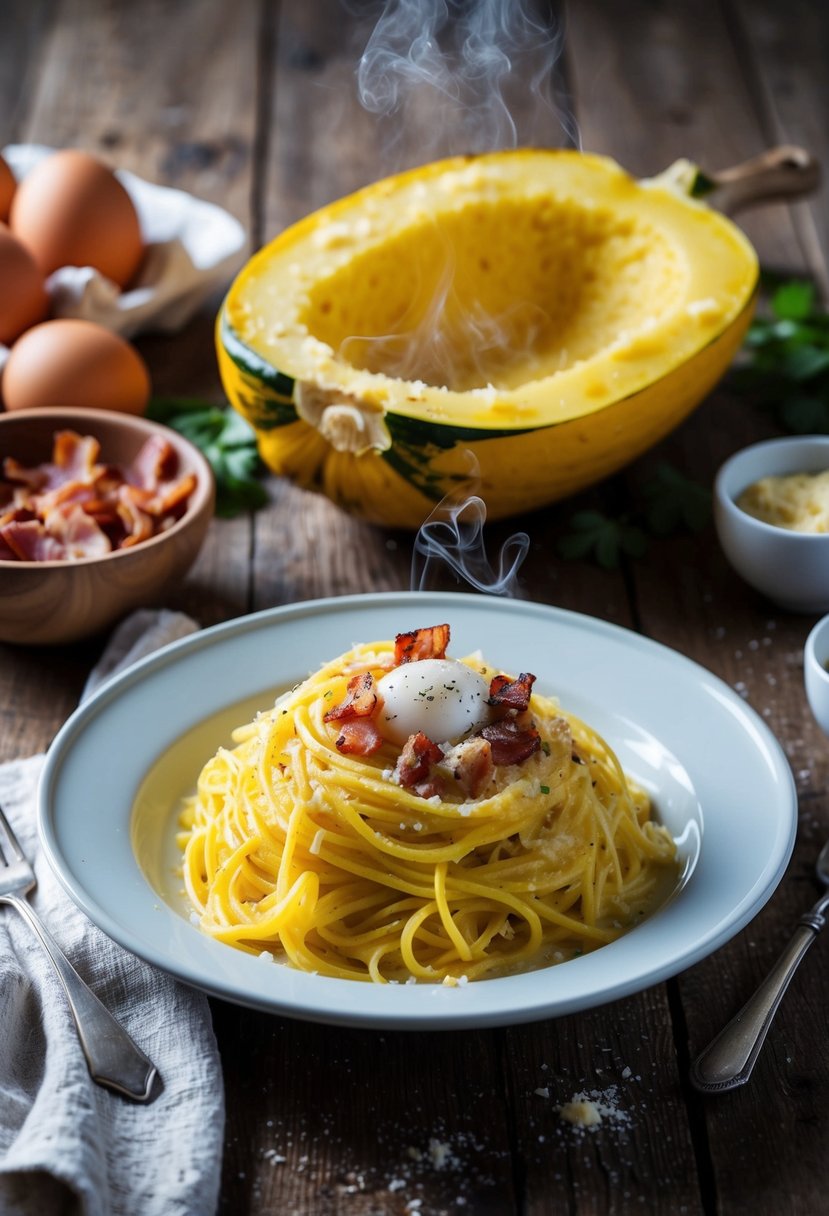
(113, 1058)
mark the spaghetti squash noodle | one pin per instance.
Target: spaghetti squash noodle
(512, 841)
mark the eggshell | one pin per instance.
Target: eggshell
(8, 185)
(23, 299)
(71, 364)
(71, 210)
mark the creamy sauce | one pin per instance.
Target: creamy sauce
(799, 502)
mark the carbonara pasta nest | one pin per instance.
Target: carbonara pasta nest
(321, 840)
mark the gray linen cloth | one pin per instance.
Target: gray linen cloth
(68, 1146)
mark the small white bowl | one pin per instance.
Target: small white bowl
(816, 672)
(790, 568)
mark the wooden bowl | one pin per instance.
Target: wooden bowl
(53, 602)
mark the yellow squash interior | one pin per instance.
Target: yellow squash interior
(519, 288)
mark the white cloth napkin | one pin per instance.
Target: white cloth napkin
(66, 1145)
(192, 247)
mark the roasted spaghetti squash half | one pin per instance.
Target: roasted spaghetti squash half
(530, 319)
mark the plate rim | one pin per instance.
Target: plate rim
(319, 1009)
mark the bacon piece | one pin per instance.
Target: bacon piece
(73, 460)
(359, 737)
(137, 524)
(77, 532)
(15, 514)
(154, 464)
(511, 694)
(30, 542)
(429, 643)
(35, 478)
(172, 495)
(360, 700)
(511, 743)
(88, 508)
(471, 764)
(75, 455)
(415, 762)
(434, 787)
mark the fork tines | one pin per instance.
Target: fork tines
(10, 850)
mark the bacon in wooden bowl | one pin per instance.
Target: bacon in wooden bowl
(99, 513)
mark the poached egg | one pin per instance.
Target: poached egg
(443, 698)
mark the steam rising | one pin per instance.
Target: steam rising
(460, 77)
(471, 76)
(453, 536)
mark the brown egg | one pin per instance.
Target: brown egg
(75, 364)
(23, 299)
(8, 185)
(71, 210)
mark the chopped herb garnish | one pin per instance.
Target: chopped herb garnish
(545, 789)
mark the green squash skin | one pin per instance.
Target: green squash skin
(415, 442)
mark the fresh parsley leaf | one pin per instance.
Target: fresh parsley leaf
(673, 501)
(804, 415)
(794, 301)
(227, 441)
(785, 365)
(594, 534)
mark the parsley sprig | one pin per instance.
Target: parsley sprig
(670, 502)
(227, 441)
(785, 361)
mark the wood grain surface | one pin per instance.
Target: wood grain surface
(253, 105)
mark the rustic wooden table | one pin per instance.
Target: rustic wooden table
(253, 105)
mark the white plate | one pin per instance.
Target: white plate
(115, 773)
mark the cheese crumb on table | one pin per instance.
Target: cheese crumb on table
(590, 1108)
(581, 1112)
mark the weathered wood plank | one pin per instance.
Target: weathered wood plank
(100, 77)
(270, 129)
(622, 1057)
(697, 101)
(340, 1120)
(787, 48)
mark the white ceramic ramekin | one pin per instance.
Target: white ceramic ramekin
(790, 568)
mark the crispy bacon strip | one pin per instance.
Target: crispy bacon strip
(429, 643)
(359, 737)
(415, 762)
(512, 694)
(511, 743)
(471, 764)
(360, 700)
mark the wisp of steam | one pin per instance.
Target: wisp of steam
(460, 77)
(453, 537)
(468, 75)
